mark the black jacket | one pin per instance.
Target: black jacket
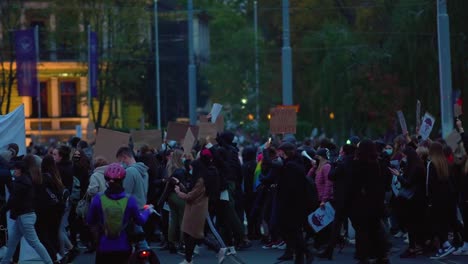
(292, 195)
(65, 168)
(21, 199)
(367, 192)
(341, 179)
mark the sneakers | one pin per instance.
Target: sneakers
(461, 251)
(269, 245)
(196, 250)
(231, 251)
(443, 252)
(281, 245)
(186, 262)
(221, 254)
(399, 234)
(277, 244)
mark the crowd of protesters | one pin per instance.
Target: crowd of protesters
(409, 188)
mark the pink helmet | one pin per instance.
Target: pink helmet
(114, 171)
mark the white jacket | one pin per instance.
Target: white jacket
(97, 183)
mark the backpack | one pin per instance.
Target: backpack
(113, 213)
(55, 199)
(213, 180)
(75, 194)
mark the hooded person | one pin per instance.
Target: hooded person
(136, 182)
(292, 199)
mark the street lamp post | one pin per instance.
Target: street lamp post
(445, 70)
(257, 89)
(156, 61)
(286, 57)
(192, 92)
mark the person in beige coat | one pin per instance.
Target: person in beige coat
(205, 185)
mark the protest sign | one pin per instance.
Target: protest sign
(189, 140)
(152, 138)
(396, 185)
(215, 111)
(453, 139)
(108, 142)
(321, 218)
(220, 123)
(283, 120)
(176, 131)
(426, 126)
(194, 130)
(401, 118)
(203, 118)
(207, 130)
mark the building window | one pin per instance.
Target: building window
(68, 99)
(43, 100)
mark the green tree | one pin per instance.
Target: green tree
(10, 11)
(124, 47)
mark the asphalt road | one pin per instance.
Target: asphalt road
(256, 254)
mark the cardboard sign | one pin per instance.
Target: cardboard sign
(401, 118)
(176, 131)
(152, 138)
(418, 113)
(426, 126)
(108, 142)
(203, 118)
(189, 140)
(453, 139)
(207, 130)
(220, 123)
(457, 110)
(215, 111)
(194, 130)
(283, 120)
(321, 218)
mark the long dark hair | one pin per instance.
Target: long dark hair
(50, 167)
(34, 168)
(367, 151)
(438, 159)
(414, 162)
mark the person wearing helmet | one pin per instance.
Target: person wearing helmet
(111, 213)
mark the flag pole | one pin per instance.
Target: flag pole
(89, 73)
(38, 84)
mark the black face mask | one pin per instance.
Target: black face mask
(76, 158)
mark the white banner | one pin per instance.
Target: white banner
(12, 129)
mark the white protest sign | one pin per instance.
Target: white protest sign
(396, 185)
(12, 129)
(321, 217)
(215, 111)
(426, 126)
(401, 118)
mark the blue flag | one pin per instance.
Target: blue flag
(93, 63)
(26, 62)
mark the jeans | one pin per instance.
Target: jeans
(65, 243)
(24, 226)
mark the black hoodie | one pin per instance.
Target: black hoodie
(21, 200)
